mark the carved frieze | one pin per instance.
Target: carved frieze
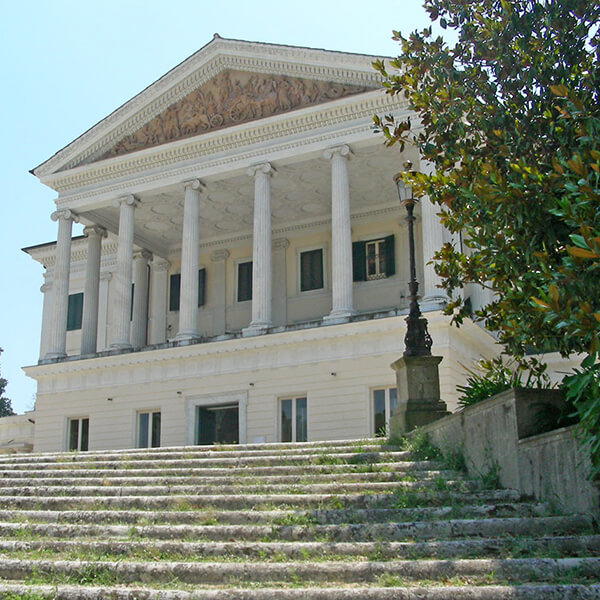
(231, 98)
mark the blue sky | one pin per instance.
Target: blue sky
(65, 65)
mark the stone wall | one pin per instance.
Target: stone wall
(502, 434)
(16, 433)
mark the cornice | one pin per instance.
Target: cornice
(218, 55)
(239, 143)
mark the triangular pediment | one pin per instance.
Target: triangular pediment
(230, 98)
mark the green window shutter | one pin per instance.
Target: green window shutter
(244, 287)
(311, 270)
(75, 311)
(359, 262)
(390, 256)
(201, 287)
(174, 285)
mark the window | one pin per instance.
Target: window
(244, 282)
(175, 287)
(311, 270)
(79, 430)
(75, 311)
(384, 403)
(148, 430)
(293, 420)
(373, 259)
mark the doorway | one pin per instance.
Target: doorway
(218, 424)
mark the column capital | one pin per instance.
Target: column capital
(94, 230)
(343, 151)
(129, 200)
(193, 184)
(280, 244)
(106, 276)
(65, 213)
(159, 264)
(265, 168)
(144, 254)
(45, 287)
(219, 255)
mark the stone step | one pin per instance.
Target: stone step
(358, 572)
(277, 517)
(115, 469)
(106, 478)
(277, 551)
(464, 592)
(256, 501)
(422, 530)
(366, 487)
(215, 459)
(367, 444)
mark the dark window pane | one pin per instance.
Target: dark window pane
(286, 420)
(73, 434)
(390, 256)
(85, 431)
(393, 399)
(131, 306)
(244, 291)
(156, 430)
(143, 430)
(311, 270)
(201, 287)
(358, 261)
(301, 420)
(174, 285)
(379, 412)
(75, 311)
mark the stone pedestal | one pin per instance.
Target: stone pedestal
(419, 403)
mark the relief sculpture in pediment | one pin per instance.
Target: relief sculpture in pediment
(230, 98)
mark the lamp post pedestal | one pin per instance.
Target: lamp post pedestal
(418, 384)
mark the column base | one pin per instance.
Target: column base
(187, 336)
(54, 355)
(120, 346)
(256, 329)
(338, 316)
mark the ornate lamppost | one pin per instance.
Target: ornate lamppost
(417, 372)
(417, 340)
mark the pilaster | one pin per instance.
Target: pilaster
(217, 291)
(157, 322)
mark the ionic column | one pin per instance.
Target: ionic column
(57, 330)
(188, 294)
(217, 291)
(432, 236)
(261, 250)
(46, 289)
(157, 326)
(341, 236)
(280, 247)
(101, 342)
(139, 326)
(122, 284)
(89, 328)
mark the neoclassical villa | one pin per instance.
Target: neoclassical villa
(243, 270)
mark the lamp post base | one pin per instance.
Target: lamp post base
(418, 384)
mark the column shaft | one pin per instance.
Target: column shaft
(261, 249)
(46, 289)
(57, 331)
(188, 294)
(157, 326)
(139, 326)
(89, 329)
(123, 272)
(341, 236)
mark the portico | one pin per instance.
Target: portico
(243, 245)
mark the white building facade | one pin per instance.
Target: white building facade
(243, 273)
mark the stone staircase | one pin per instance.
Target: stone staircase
(323, 521)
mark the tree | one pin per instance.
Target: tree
(510, 117)
(5, 404)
